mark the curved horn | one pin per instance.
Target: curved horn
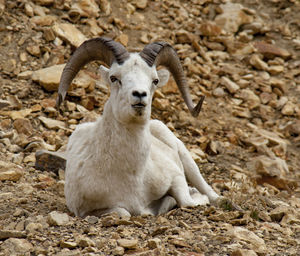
(162, 53)
(101, 48)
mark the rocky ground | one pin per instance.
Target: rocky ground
(243, 55)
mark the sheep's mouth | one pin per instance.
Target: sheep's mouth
(139, 105)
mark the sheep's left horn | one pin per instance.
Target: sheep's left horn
(162, 53)
(101, 48)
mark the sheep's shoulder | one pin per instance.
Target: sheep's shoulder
(82, 136)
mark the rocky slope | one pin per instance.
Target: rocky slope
(243, 55)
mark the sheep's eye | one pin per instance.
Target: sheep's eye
(155, 81)
(113, 79)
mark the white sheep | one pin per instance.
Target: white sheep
(125, 162)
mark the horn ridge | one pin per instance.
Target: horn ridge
(162, 53)
(100, 48)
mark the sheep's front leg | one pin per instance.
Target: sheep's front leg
(167, 204)
(193, 174)
(122, 212)
(180, 191)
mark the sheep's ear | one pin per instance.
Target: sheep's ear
(104, 73)
(163, 76)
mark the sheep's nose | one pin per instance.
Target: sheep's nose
(139, 94)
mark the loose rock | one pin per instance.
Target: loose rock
(58, 219)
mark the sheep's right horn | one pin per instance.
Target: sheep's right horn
(101, 48)
(162, 53)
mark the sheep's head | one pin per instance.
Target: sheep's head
(133, 76)
(132, 85)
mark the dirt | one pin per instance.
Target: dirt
(246, 142)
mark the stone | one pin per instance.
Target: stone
(278, 213)
(128, 243)
(219, 92)
(144, 38)
(179, 242)
(16, 114)
(4, 234)
(209, 29)
(10, 171)
(255, 243)
(85, 80)
(279, 83)
(243, 252)
(4, 103)
(293, 128)
(161, 104)
(49, 77)
(34, 50)
(84, 8)
(170, 87)
(69, 33)
(92, 219)
(250, 97)
(269, 167)
(141, 4)
(33, 227)
(105, 7)
(58, 219)
(273, 137)
(232, 17)
(68, 244)
(16, 246)
(154, 243)
(26, 74)
(46, 20)
(44, 2)
(258, 63)
(270, 51)
(118, 251)
(123, 39)
(2, 6)
(275, 70)
(84, 241)
(288, 109)
(52, 124)
(14, 101)
(231, 86)
(184, 37)
(50, 161)
(23, 126)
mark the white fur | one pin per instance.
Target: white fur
(125, 162)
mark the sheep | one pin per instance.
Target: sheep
(124, 162)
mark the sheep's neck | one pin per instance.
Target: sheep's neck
(129, 144)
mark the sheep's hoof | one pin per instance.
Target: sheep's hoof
(50, 161)
(227, 204)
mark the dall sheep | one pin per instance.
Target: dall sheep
(125, 162)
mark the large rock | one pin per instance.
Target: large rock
(23, 126)
(127, 243)
(209, 29)
(255, 243)
(250, 97)
(58, 219)
(51, 123)
(69, 33)
(10, 171)
(231, 86)
(16, 246)
(4, 234)
(258, 63)
(49, 77)
(50, 161)
(84, 8)
(271, 51)
(232, 17)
